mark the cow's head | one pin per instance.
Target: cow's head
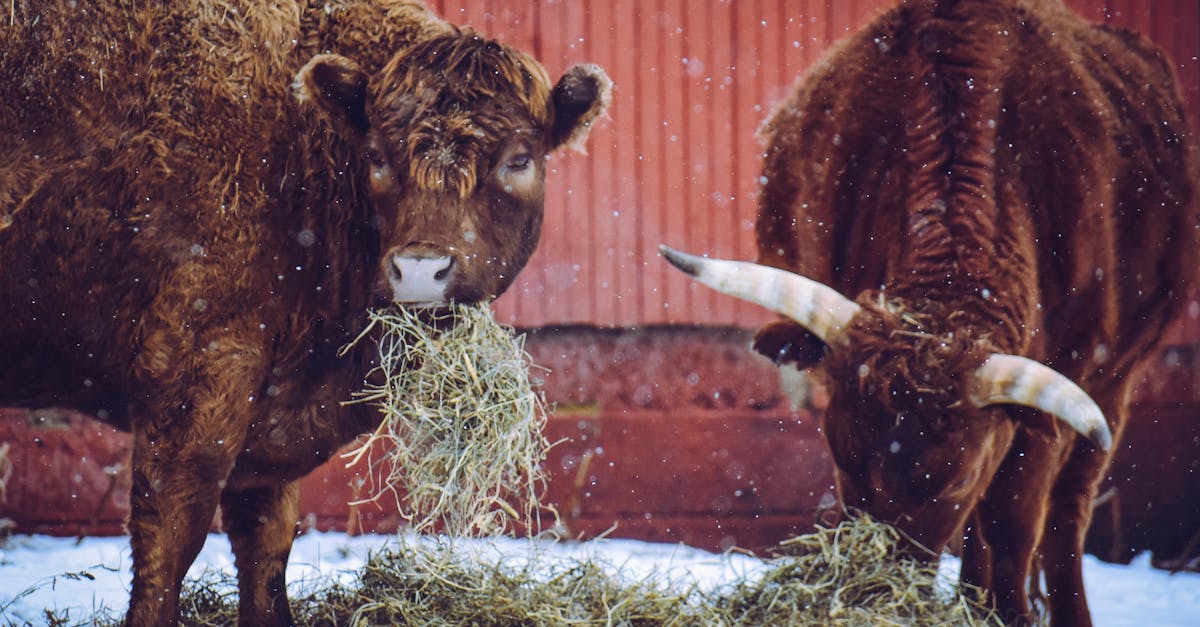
(453, 135)
(915, 421)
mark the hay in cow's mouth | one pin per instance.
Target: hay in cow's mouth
(462, 428)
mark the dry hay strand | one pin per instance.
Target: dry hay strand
(462, 422)
(855, 575)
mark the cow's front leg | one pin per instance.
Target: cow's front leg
(176, 478)
(261, 524)
(977, 556)
(1066, 530)
(1071, 513)
(1009, 521)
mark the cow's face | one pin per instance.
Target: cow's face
(453, 134)
(922, 480)
(909, 447)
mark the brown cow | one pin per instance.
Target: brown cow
(998, 185)
(198, 202)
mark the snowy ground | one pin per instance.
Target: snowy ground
(56, 573)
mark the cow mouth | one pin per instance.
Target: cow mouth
(383, 302)
(416, 304)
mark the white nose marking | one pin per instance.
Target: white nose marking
(420, 279)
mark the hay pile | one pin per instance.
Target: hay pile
(853, 575)
(462, 423)
(435, 584)
(847, 576)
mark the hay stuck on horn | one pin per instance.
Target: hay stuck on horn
(462, 422)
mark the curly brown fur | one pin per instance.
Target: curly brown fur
(908, 356)
(444, 152)
(1012, 179)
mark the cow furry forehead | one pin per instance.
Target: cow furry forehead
(462, 69)
(910, 356)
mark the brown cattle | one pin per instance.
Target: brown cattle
(1004, 192)
(199, 201)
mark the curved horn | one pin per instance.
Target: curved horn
(816, 306)
(1022, 381)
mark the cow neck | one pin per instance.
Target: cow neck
(952, 211)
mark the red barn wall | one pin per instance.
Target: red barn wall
(673, 432)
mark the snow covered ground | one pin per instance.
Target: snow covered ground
(56, 573)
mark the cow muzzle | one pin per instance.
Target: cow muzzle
(419, 275)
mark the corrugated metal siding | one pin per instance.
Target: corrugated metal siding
(678, 160)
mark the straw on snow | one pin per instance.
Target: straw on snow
(850, 575)
(462, 423)
(855, 575)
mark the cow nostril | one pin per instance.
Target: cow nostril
(442, 274)
(420, 278)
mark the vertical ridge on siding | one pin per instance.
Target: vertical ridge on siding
(745, 42)
(651, 200)
(577, 238)
(1097, 11)
(622, 213)
(676, 297)
(594, 289)
(636, 203)
(720, 83)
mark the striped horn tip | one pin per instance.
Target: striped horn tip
(1023, 381)
(816, 306)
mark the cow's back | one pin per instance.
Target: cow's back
(154, 167)
(1067, 138)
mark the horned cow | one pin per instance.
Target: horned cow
(200, 200)
(989, 207)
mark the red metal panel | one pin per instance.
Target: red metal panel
(623, 213)
(650, 199)
(675, 154)
(579, 206)
(749, 25)
(839, 20)
(598, 270)
(1095, 10)
(1133, 14)
(718, 205)
(697, 61)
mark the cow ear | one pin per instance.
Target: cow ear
(581, 96)
(338, 86)
(787, 342)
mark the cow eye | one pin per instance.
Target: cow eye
(519, 163)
